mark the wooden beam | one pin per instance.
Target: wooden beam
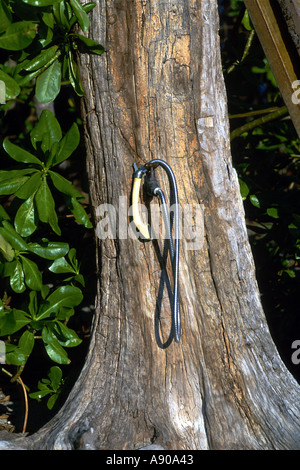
(280, 51)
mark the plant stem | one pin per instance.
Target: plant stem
(245, 53)
(258, 122)
(254, 113)
(24, 388)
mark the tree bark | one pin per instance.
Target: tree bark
(158, 92)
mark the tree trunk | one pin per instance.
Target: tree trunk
(158, 92)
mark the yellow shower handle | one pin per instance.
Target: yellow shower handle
(140, 225)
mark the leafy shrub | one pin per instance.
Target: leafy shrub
(39, 40)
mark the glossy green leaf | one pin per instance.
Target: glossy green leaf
(48, 83)
(46, 206)
(6, 249)
(14, 355)
(10, 186)
(18, 35)
(64, 186)
(49, 250)
(26, 217)
(60, 266)
(41, 59)
(10, 235)
(244, 189)
(48, 126)
(79, 213)
(254, 200)
(41, 3)
(32, 274)
(74, 75)
(67, 146)
(40, 394)
(12, 88)
(273, 212)
(53, 348)
(55, 376)
(19, 154)
(17, 279)
(5, 16)
(33, 303)
(81, 16)
(65, 296)
(30, 186)
(3, 214)
(12, 321)
(13, 174)
(61, 14)
(92, 46)
(67, 337)
(26, 342)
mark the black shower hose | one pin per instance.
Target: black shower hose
(174, 246)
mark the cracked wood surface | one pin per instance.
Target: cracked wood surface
(158, 92)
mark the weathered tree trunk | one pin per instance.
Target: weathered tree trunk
(158, 92)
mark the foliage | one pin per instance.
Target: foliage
(39, 36)
(266, 155)
(41, 280)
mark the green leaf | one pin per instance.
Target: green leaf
(68, 145)
(60, 266)
(74, 75)
(40, 394)
(50, 386)
(33, 305)
(5, 16)
(26, 217)
(64, 186)
(46, 206)
(273, 212)
(41, 3)
(12, 89)
(53, 348)
(244, 189)
(61, 13)
(17, 279)
(65, 296)
(18, 35)
(49, 250)
(55, 376)
(13, 174)
(19, 154)
(30, 186)
(66, 336)
(33, 276)
(14, 355)
(26, 343)
(254, 200)
(246, 21)
(48, 83)
(82, 17)
(10, 235)
(93, 46)
(79, 213)
(41, 59)
(48, 126)
(12, 321)
(3, 214)
(10, 186)
(6, 249)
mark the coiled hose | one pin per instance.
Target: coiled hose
(174, 245)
